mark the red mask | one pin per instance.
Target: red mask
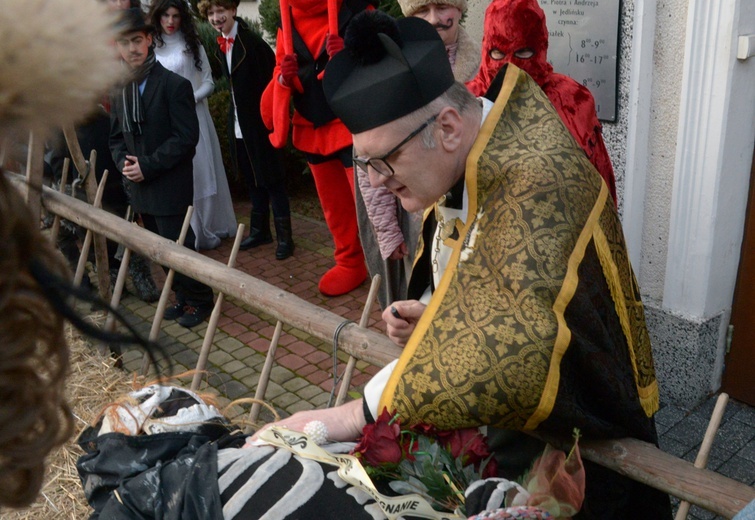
(310, 7)
(515, 32)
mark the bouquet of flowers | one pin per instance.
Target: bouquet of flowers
(436, 464)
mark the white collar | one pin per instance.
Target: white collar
(234, 31)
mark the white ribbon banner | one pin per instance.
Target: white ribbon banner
(352, 472)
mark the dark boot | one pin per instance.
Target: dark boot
(259, 231)
(283, 236)
(141, 276)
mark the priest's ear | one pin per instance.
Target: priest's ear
(450, 124)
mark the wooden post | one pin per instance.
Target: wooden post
(701, 460)
(212, 326)
(163, 302)
(364, 320)
(259, 394)
(120, 283)
(34, 171)
(62, 189)
(90, 185)
(79, 161)
(101, 261)
(84, 256)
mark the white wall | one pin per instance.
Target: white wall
(668, 62)
(249, 9)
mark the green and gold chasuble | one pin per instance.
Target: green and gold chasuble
(537, 321)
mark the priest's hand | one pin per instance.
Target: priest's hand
(401, 318)
(342, 424)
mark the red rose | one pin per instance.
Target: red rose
(467, 444)
(428, 430)
(491, 469)
(381, 441)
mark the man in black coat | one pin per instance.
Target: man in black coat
(94, 134)
(153, 137)
(248, 62)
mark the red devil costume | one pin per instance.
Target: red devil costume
(317, 132)
(515, 32)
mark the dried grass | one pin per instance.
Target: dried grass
(92, 384)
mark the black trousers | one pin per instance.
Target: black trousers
(187, 289)
(272, 193)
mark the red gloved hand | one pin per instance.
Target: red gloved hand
(290, 72)
(333, 45)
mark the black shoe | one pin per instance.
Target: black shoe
(259, 231)
(175, 312)
(283, 236)
(193, 316)
(254, 240)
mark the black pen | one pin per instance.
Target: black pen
(395, 313)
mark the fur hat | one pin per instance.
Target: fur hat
(409, 7)
(388, 69)
(56, 64)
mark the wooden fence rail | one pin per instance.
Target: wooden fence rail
(636, 459)
(364, 344)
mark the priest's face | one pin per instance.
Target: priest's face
(134, 48)
(444, 17)
(418, 171)
(221, 18)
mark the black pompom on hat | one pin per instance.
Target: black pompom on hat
(388, 69)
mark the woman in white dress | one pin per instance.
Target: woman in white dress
(178, 49)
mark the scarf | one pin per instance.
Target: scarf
(451, 52)
(132, 100)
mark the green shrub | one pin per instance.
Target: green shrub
(218, 103)
(208, 37)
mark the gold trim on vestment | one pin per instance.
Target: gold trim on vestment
(486, 130)
(563, 338)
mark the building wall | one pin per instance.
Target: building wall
(249, 9)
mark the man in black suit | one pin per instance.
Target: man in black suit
(153, 136)
(248, 62)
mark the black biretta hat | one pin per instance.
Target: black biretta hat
(388, 69)
(132, 20)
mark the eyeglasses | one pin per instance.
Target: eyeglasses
(380, 164)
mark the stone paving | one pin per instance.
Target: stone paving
(302, 377)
